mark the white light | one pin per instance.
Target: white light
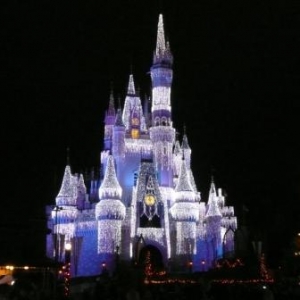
(68, 246)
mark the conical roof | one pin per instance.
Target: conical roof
(68, 190)
(110, 187)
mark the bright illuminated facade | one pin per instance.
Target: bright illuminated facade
(147, 197)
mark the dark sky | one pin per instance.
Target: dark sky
(235, 88)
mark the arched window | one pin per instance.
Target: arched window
(157, 121)
(135, 122)
(164, 121)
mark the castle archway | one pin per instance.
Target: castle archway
(151, 254)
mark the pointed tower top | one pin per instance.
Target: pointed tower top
(185, 143)
(162, 51)
(131, 88)
(184, 183)
(119, 120)
(177, 148)
(160, 42)
(111, 106)
(212, 191)
(68, 190)
(213, 207)
(81, 185)
(110, 187)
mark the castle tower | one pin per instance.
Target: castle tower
(185, 213)
(213, 219)
(162, 133)
(133, 117)
(109, 213)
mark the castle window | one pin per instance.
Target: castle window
(135, 133)
(135, 122)
(157, 121)
(164, 121)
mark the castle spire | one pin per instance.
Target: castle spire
(111, 105)
(131, 88)
(213, 208)
(185, 143)
(68, 190)
(162, 53)
(160, 42)
(184, 183)
(119, 121)
(212, 191)
(110, 187)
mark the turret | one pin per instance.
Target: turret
(68, 191)
(118, 149)
(162, 133)
(133, 117)
(109, 212)
(177, 159)
(185, 207)
(81, 193)
(110, 116)
(213, 220)
(185, 213)
(161, 76)
(186, 149)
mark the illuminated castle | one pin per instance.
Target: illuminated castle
(146, 200)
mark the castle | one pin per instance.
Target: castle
(145, 199)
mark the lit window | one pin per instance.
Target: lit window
(135, 133)
(135, 122)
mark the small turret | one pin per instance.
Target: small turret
(186, 149)
(110, 187)
(109, 212)
(109, 122)
(184, 184)
(212, 191)
(131, 87)
(68, 191)
(118, 149)
(81, 193)
(185, 207)
(177, 158)
(133, 112)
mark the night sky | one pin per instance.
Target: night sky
(235, 88)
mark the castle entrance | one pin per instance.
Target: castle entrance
(151, 258)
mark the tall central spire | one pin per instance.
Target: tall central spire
(162, 53)
(160, 42)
